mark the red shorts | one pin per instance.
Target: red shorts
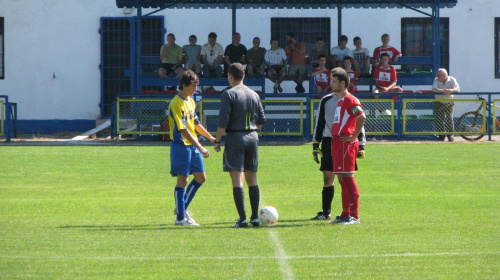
(344, 155)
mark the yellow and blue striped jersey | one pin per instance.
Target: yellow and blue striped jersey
(181, 116)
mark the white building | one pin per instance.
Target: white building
(52, 49)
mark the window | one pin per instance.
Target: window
(306, 30)
(497, 48)
(416, 39)
(2, 56)
(116, 45)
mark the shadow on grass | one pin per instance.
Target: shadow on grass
(219, 225)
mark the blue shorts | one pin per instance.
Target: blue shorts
(185, 160)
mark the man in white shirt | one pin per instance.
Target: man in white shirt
(339, 52)
(446, 85)
(211, 57)
(276, 62)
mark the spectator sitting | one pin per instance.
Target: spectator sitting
(235, 52)
(211, 56)
(296, 53)
(276, 62)
(321, 76)
(320, 43)
(392, 52)
(385, 78)
(255, 56)
(361, 57)
(171, 59)
(353, 75)
(339, 52)
(192, 55)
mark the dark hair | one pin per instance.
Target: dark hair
(343, 38)
(274, 39)
(188, 78)
(356, 39)
(212, 35)
(171, 35)
(236, 33)
(193, 36)
(384, 54)
(341, 75)
(291, 35)
(237, 71)
(320, 39)
(321, 55)
(347, 58)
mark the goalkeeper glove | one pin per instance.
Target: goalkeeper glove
(361, 152)
(316, 152)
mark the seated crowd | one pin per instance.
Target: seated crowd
(212, 61)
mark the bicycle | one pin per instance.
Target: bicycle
(473, 121)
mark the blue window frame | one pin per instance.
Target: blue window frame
(416, 39)
(116, 47)
(497, 48)
(2, 52)
(306, 30)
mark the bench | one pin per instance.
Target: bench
(409, 77)
(149, 76)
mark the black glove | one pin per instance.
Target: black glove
(316, 152)
(361, 152)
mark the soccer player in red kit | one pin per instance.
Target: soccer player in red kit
(347, 124)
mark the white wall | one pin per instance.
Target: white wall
(43, 37)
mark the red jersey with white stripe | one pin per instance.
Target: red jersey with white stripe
(354, 76)
(391, 51)
(385, 76)
(347, 111)
(322, 79)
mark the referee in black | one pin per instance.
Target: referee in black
(241, 115)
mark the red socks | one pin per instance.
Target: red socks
(350, 198)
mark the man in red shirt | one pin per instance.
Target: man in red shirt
(393, 53)
(385, 78)
(321, 76)
(347, 124)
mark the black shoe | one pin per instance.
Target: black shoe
(255, 222)
(297, 88)
(279, 88)
(275, 90)
(442, 137)
(300, 88)
(451, 138)
(172, 88)
(243, 224)
(322, 216)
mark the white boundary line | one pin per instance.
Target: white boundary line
(279, 252)
(277, 256)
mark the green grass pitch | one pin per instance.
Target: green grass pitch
(428, 211)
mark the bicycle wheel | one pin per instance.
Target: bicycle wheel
(472, 123)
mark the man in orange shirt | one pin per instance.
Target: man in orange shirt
(296, 53)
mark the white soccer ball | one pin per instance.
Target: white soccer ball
(268, 216)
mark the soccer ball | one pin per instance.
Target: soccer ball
(268, 216)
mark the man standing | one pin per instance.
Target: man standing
(347, 125)
(446, 85)
(276, 65)
(234, 52)
(322, 146)
(171, 58)
(296, 53)
(255, 56)
(211, 56)
(185, 149)
(241, 115)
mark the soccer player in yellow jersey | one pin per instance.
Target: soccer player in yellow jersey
(185, 150)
